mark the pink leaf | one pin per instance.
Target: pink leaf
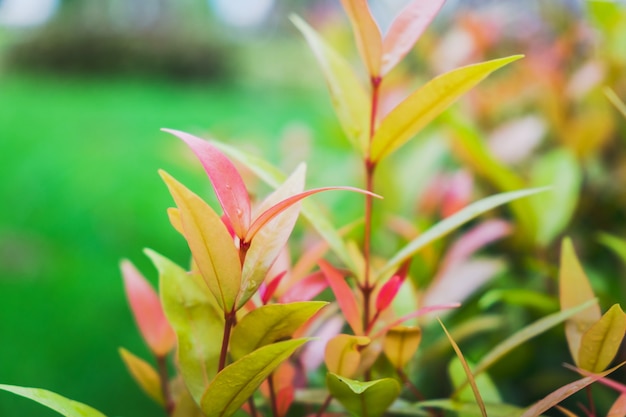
(227, 183)
(406, 30)
(389, 291)
(417, 313)
(344, 296)
(278, 208)
(146, 307)
(305, 289)
(618, 409)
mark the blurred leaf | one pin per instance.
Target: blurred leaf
(401, 343)
(542, 302)
(558, 169)
(417, 313)
(269, 324)
(617, 102)
(344, 296)
(616, 244)
(406, 29)
(453, 222)
(565, 411)
(186, 406)
(193, 313)
(369, 399)
(147, 311)
(174, 216)
(53, 401)
(471, 409)
(468, 371)
(343, 354)
(212, 247)
(562, 393)
(233, 385)
(274, 177)
(366, 33)
(144, 375)
(599, 344)
(390, 289)
(574, 289)
(227, 183)
(463, 393)
(410, 116)
(618, 409)
(349, 99)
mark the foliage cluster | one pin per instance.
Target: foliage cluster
(243, 323)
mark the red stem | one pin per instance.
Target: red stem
(229, 322)
(324, 406)
(165, 385)
(270, 382)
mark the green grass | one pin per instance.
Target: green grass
(80, 191)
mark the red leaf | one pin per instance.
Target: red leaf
(417, 313)
(390, 289)
(406, 30)
(146, 307)
(305, 289)
(266, 291)
(227, 183)
(344, 296)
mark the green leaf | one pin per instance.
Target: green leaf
(363, 399)
(144, 374)
(616, 244)
(310, 211)
(269, 324)
(212, 246)
(554, 210)
(574, 289)
(237, 382)
(193, 313)
(600, 343)
(451, 223)
(349, 98)
(421, 107)
(53, 401)
(486, 386)
(471, 409)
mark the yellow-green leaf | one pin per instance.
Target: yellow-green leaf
(349, 98)
(401, 343)
(211, 245)
(575, 290)
(343, 354)
(197, 320)
(269, 324)
(371, 398)
(599, 345)
(410, 116)
(237, 382)
(53, 401)
(144, 374)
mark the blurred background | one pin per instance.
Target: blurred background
(85, 87)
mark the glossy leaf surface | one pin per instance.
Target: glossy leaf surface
(369, 399)
(343, 354)
(56, 402)
(144, 374)
(269, 324)
(599, 344)
(410, 116)
(366, 33)
(453, 222)
(401, 343)
(227, 183)
(349, 99)
(210, 243)
(238, 381)
(196, 318)
(574, 289)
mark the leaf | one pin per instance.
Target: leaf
(344, 296)
(616, 244)
(343, 354)
(412, 315)
(269, 324)
(562, 393)
(615, 100)
(174, 216)
(227, 183)
(401, 343)
(468, 371)
(406, 29)
(410, 116)
(197, 320)
(390, 289)
(553, 210)
(488, 389)
(349, 99)
(53, 401)
(366, 33)
(211, 245)
(449, 224)
(574, 289)
(618, 409)
(144, 375)
(362, 399)
(471, 409)
(147, 311)
(599, 344)
(237, 382)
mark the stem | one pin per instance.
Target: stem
(324, 406)
(273, 402)
(229, 322)
(165, 386)
(411, 387)
(253, 410)
(592, 405)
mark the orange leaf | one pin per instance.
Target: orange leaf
(366, 33)
(146, 307)
(343, 354)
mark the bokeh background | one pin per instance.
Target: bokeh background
(85, 87)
